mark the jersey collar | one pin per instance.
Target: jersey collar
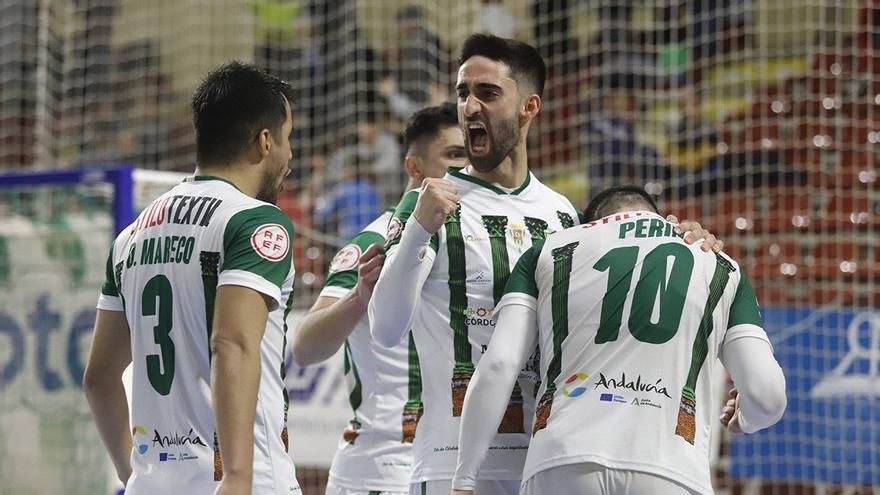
(459, 173)
(199, 178)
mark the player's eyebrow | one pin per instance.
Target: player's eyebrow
(482, 85)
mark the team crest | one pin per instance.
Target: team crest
(346, 259)
(518, 232)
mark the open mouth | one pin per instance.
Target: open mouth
(478, 138)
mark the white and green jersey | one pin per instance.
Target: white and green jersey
(163, 272)
(472, 255)
(630, 321)
(374, 453)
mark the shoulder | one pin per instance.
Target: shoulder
(269, 229)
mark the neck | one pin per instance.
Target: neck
(247, 183)
(512, 171)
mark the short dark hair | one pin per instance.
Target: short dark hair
(611, 200)
(526, 64)
(427, 123)
(234, 102)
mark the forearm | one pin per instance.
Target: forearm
(106, 398)
(235, 379)
(489, 390)
(324, 330)
(759, 380)
(399, 287)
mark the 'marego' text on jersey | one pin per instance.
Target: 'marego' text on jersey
(631, 320)
(375, 453)
(472, 256)
(163, 272)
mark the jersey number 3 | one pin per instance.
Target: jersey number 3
(657, 284)
(158, 301)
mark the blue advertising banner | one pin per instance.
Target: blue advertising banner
(830, 432)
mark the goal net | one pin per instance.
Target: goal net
(759, 118)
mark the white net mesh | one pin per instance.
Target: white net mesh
(757, 117)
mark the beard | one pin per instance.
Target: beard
(269, 188)
(503, 137)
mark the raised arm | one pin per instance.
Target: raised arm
(335, 315)
(487, 395)
(410, 256)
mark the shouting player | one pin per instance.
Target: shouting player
(375, 451)
(629, 320)
(195, 297)
(446, 270)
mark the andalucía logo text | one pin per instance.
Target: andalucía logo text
(636, 385)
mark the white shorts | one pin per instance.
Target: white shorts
(334, 489)
(444, 487)
(595, 479)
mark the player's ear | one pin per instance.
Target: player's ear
(530, 108)
(265, 141)
(413, 165)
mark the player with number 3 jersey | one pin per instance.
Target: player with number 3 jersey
(195, 298)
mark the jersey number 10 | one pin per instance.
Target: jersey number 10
(653, 287)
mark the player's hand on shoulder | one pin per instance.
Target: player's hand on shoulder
(437, 199)
(694, 232)
(729, 413)
(371, 263)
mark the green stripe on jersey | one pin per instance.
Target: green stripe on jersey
(537, 228)
(496, 227)
(347, 278)
(355, 397)
(414, 375)
(565, 219)
(457, 292)
(209, 262)
(287, 308)
(686, 423)
(239, 250)
(559, 306)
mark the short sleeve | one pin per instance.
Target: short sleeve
(522, 286)
(258, 250)
(109, 299)
(398, 220)
(744, 309)
(343, 272)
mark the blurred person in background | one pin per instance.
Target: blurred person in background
(351, 204)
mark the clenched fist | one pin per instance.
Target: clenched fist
(437, 199)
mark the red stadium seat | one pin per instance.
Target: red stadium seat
(783, 210)
(834, 260)
(847, 209)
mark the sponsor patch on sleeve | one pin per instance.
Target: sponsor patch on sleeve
(395, 226)
(346, 259)
(271, 241)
